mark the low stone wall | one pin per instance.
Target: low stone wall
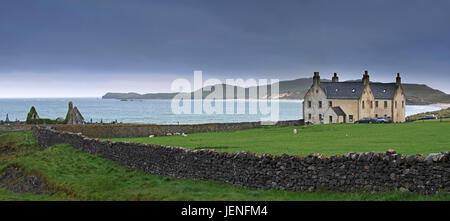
(14, 127)
(145, 130)
(349, 172)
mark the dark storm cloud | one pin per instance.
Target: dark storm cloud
(284, 39)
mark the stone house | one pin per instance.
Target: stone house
(346, 102)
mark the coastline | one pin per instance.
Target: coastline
(157, 111)
(444, 105)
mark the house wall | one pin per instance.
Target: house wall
(399, 111)
(381, 111)
(342, 119)
(315, 94)
(328, 113)
(350, 107)
(368, 109)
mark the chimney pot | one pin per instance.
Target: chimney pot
(365, 78)
(316, 78)
(398, 80)
(335, 78)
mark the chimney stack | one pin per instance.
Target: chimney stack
(316, 78)
(335, 78)
(398, 80)
(365, 78)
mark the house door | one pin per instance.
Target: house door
(331, 119)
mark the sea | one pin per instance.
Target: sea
(156, 111)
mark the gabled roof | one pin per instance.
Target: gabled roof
(353, 90)
(383, 90)
(342, 90)
(338, 111)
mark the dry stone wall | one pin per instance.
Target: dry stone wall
(145, 130)
(349, 172)
(14, 127)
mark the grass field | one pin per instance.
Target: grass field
(74, 175)
(408, 138)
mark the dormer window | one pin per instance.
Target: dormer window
(384, 91)
(336, 89)
(353, 90)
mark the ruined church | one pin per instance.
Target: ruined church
(74, 116)
(346, 102)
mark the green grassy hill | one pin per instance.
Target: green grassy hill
(422, 94)
(296, 89)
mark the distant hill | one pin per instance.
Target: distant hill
(418, 94)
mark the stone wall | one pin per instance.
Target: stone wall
(14, 127)
(145, 130)
(349, 172)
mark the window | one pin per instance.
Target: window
(376, 115)
(395, 104)
(403, 104)
(330, 103)
(350, 118)
(309, 104)
(363, 105)
(371, 104)
(376, 104)
(320, 104)
(385, 115)
(385, 104)
(331, 119)
(309, 116)
(320, 117)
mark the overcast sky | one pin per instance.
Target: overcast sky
(65, 48)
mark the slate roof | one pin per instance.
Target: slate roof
(342, 90)
(338, 111)
(353, 90)
(383, 90)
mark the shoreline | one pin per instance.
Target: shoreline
(445, 105)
